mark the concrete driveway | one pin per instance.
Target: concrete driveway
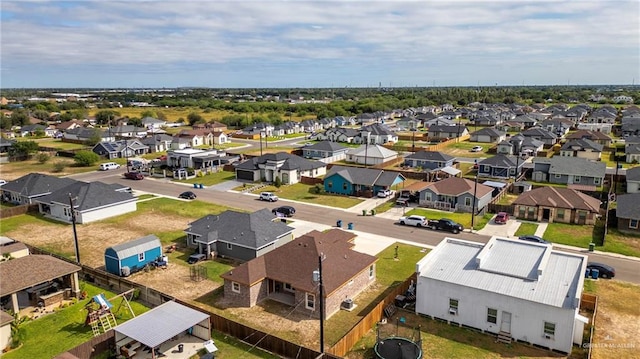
(508, 229)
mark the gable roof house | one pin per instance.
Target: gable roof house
(127, 131)
(121, 149)
(437, 132)
(238, 235)
(289, 168)
(557, 126)
(152, 123)
(501, 166)
(628, 213)
(32, 130)
(632, 149)
(595, 136)
(12, 249)
(92, 201)
(345, 274)
(376, 134)
(527, 121)
(201, 159)
(556, 204)
(157, 143)
(339, 134)
(27, 188)
(408, 123)
(524, 291)
(487, 135)
(370, 155)
(130, 257)
(520, 145)
(569, 170)
(81, 134)
(455, 194)
(604, 114)
(356, 181)
(510, 126)
(199, 137)
(633, 180)
(325, 151)
(429, 160)
(583, 148)
(540, 134)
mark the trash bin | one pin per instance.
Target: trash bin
(180, 348)
(592, 246)
(201, 186)
(195, 185)
(595, 273)
(373, 212)
(364, 212)
(587, 273)
(339, 223)
(350, 225)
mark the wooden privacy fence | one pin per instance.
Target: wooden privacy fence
(7, 212)
(91, 348)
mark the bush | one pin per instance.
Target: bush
(318, 188)
(43, 157)
(86, 158)
(278, 182)
(59, 167)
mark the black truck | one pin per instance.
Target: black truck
(444, 224)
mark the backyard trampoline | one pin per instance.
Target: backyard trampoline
(397, 348)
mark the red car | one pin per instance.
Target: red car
(501, 218)
(134, 175)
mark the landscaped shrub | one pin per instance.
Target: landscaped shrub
(59, 167)
(43, 157)
(86, 158)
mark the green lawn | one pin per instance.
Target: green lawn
(622, 243)
(212, 178)
(58, 144)
(305, 193)
(463, 218)
(569, 234)
(582, 235)
(55, 333)
(526, 228)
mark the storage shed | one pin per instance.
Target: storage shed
(126, 258)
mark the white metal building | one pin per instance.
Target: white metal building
(520, 290)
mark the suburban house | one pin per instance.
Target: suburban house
(369, 155)
(238, 235)
(515, 289)
(556, 204)
(127, 131)
(157, 143)
(220, 138)
(132, 256)
(214, 125)
(408, 124)
(6, 320)
(628, 213)
(92, 201)
(487, 135)
(356, 181)
(455, 194)
(152, 123)
(121, 149)
(633, 180)
(541, 134)
(289, 168)
(604, 114)
(527, 121)
(569, 170)
(32, 130)
(196, 158)
(339, 134)
(557, 126)
(501, 166)
(429, 160)
(520, 145)
(11, 249)
(595, 136)
(83, 134)
(439, 132)
(328, 150)
(510, 126)
(582, 148)
(5, 144)
(39, 279)
(632, 149)
(376, 134)
(27, 188)
(287, 274)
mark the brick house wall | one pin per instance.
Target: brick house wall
(623, 226)
(569, 216)
(248, 296)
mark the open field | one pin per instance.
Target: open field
(582, 235)
(13, 170)
(173, 114)
(305, 193)
(463, 149)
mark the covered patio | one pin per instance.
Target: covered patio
(170, 330)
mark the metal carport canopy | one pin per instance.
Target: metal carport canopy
(161, 323)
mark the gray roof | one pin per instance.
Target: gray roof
(290, 162)
(574, 166)
(36, 184)
(633, 174)
(583, 144)
(364, 176)
(87, 196)
(140, 245)
(378, 129)
(252, 230)
(433, 156)
(538, 132)
(628, 206)
(328, 146)
(518, 269)
(489, 131)
(372, 151)
(503, 161)
(161, 323)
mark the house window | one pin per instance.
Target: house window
(596, 181)
(372, 272)
(532, 211)
(329, 184)
(344, 186)
(576, 179)
(140, 257)
(288, 287)
(558, 175)
(235, 287)
(521, 211)
(582, 215)
(492, 315)
(633, 223)
(486, 168)
(549, 330)
(560, 213)
(229, 246)
(427, 196)
(310, 302)
(467, 201)
(453, 306)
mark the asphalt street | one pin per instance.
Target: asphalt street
(627, 269)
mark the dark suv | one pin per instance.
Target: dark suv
(197, 257)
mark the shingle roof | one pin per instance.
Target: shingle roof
(35, 184)
(252, 230)
(455, 186)
(558, 197)
(592, 135)
(290, 162)
(25, 272)
(628, 206)
(574, 166)
(372, 151)
(489, 131)
(504, 161)
(538, 132)
(430, 156)
(137, 246)
(364, 176)
(340, 263)
(328, 146)
(88, 196)
(633, 174)
(583, 144)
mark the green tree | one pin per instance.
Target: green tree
(41, 115)
(86, 158)
(23, 148)
(19, 117)
(104, 117)
(95, 138)
(194, 118)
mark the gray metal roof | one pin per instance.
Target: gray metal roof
(628, 206)
(161, 323)
(518, 269)
(140, 245)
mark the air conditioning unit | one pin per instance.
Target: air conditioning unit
(548, 336)
(347, 304)
(453, 311)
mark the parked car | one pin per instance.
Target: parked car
(414, 220)
(476, 149)
(187, 195)
(109, 166)
(384, 193)
(284, 211)
(2, 182)
(605, 271)
(196, 257)
(445, 224)
(501, 218)
(268, 196)
(532, 238)
(134, 175)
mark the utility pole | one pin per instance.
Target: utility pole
(473, 205)
(317, 277)
(75, 233)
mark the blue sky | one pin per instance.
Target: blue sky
(318, 43)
